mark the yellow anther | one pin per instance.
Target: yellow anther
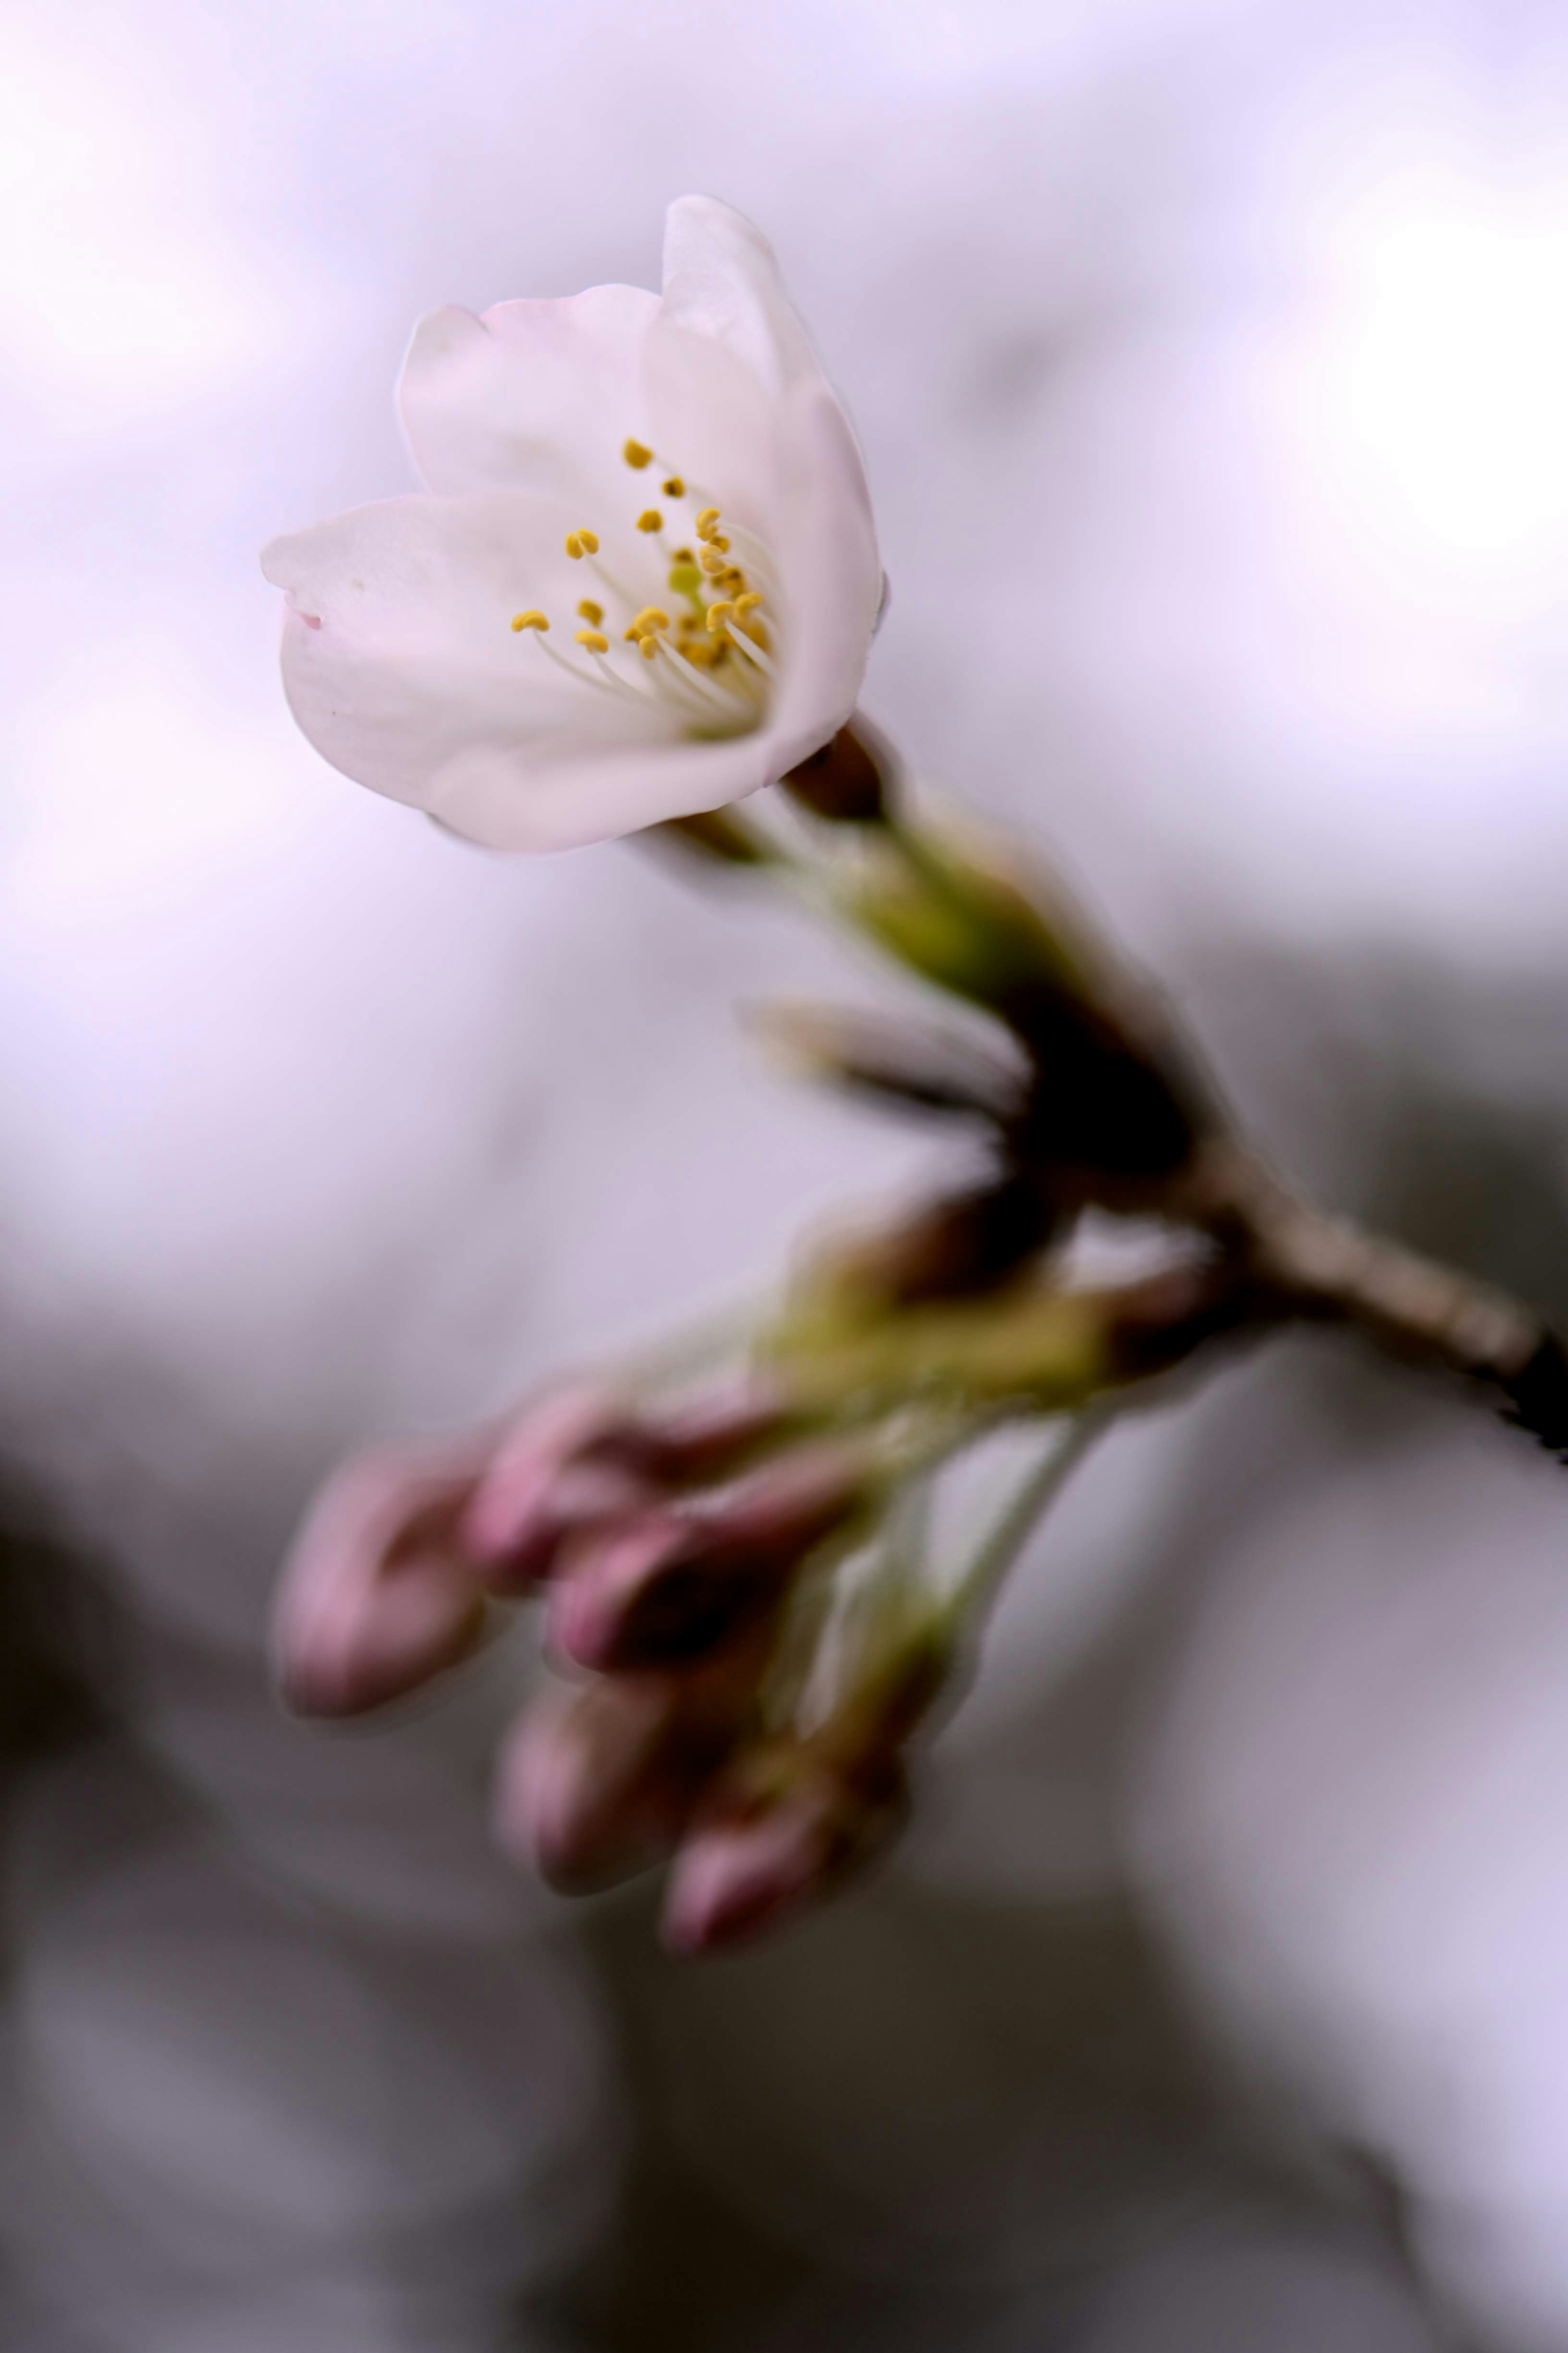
(650, 617)
(633, 636)
(711, 561)
(719, 542)
(593, 641)
(684, 556)
(732, 577)
(651, 519)
(532, 619)
(636, 455)
(591, 612)
(718, 615)
(706, 522)
(649, 646)
(700, 651)
(743, 605)
(590, 540)
(675, 488)
(573, 545)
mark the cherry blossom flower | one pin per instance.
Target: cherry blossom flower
(643, 579)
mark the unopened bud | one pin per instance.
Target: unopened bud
(791, 1819)
(673, 1584)
(712, 1436)
(378, 1594)
(915, 1067)
(599, 1777)
(583, 1790)
(782, 1833)
(566, 1462)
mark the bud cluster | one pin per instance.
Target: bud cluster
(746, 1640)
(677, 1555)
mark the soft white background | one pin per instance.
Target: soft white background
(1211, 364)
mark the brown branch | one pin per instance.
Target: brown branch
(1327, 1270)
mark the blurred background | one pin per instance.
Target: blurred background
(1211, 363)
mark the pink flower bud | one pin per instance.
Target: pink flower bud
(377, 1595)
(675, 1582)
(599, 1779)
(712, 1436)
(784, 1834)
(584, 1789)
(563, 1463)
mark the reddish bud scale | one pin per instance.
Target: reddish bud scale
(848, 781)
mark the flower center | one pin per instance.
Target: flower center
(710, 656)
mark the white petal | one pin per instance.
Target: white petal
(398, 654)
(715, 421)
(533, 395)
(722, 281)
(734, 383)
(825, 544)
(494, 796)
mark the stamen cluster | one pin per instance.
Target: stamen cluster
(712, 657)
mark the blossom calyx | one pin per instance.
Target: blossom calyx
(848, 780)
(915, 1067)
(955, 916)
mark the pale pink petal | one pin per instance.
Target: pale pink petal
(717, 422)
(400, 661)
(512, 801)
(789, 470)
(827, 550)
(538, 395)
(722, 281)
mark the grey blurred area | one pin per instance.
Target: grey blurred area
(1211, 365)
